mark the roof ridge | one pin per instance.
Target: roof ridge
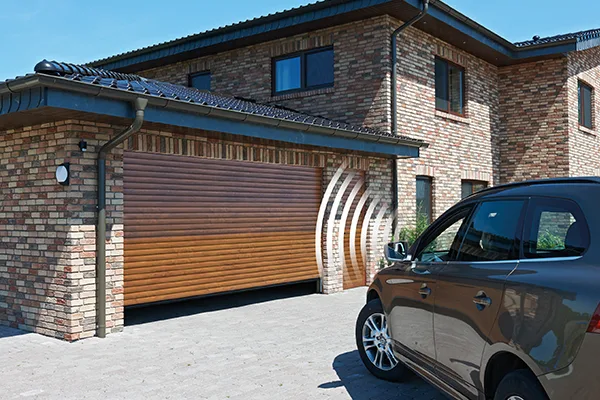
(213, 30)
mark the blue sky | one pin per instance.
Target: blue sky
(78, 32)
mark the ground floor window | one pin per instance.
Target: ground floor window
(469, 187)
(424, 199)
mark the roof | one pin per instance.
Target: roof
(578, 36)
(442, 21)
(138, 84)
(20, 95)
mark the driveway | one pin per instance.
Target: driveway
(274, 344)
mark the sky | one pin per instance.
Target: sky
(79, 32)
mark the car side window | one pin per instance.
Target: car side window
(442, 243)
(492, 232)
(555, 228)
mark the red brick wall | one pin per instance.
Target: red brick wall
(584, 147)
(47, 233)
(534, 119)
(459, 147)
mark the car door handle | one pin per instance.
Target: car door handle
(482, 301)
(424, 291)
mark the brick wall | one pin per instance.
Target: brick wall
(534, 120)
(584, 147)
(47, 233)
(459, 147)
(361, 94)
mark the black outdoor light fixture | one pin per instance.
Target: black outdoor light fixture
(83, 145)
(62, 174)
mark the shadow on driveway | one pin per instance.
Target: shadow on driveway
(6, 332)
(162, 311)
(361, 385)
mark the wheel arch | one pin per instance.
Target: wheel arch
(500, 363)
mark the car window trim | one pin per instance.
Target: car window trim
(517, 242)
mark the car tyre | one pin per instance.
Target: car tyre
(374, 343)
(520, 385)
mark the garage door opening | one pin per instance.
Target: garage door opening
(196, 227)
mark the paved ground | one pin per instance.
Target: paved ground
(267, 346)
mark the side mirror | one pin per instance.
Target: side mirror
(397, 251)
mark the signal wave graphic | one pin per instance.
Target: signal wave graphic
(377, 215)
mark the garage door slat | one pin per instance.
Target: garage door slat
(197, 226)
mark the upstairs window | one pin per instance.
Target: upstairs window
(424, 200)
(449, 87)
(585, 105)
(303, 71)
(200, 80)
(470, 187)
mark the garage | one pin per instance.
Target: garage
(143, 192)
(197, 226)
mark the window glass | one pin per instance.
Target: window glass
(441, 84)
(287, 74)
(449, 87)
(555, 228)
(319, 68)
(470, 187)
(492, 231)
(424, 206)
(442, 244)
(200, 81)
(455, 80)
(585, 105)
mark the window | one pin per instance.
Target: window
(585, 105)
(449, 87)
(470, 187)
(308, 70)
(555, 228)
(424, 196)
(492, 232)
(200, 80)
(443, 243)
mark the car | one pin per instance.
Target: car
(497, 299)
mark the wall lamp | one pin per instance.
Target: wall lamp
(63, 174)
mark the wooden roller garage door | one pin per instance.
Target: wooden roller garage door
(197, 226)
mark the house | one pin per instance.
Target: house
(268, 152)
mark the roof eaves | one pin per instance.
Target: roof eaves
(61, 83)
(295, 16)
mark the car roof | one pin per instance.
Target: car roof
(533, 187)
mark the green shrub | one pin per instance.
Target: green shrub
(550, 241)
(411, 234)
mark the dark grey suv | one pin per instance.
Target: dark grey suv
(498, 299)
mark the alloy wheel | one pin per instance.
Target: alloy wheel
(378, 344)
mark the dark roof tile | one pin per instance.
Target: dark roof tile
(579, 36)
(138, 84)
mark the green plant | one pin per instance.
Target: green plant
(550, 241)
(411, 234)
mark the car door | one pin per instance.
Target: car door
(469, 290)
(412, 286)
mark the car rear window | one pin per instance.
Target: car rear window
(555, 228)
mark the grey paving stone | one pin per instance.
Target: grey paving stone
(288, 348)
